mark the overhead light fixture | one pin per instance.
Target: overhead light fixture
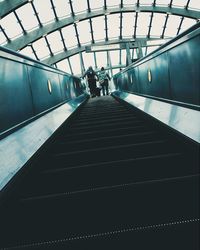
(105, 47)
(156, 42)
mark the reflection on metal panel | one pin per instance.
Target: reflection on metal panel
(184, 120)
(172, 70)
(29, 88)
(17, 148)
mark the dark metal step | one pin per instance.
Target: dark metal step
(104, 126)
(80, 135)
(110, 180)
(65, 145)
(104, 210)
(111, 173)
(118, 152)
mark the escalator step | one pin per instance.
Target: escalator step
(111, 179)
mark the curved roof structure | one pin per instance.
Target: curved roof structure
(73, 34)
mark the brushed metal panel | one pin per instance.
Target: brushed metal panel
(42, 99)
(159, 84)
(184, 120)
(64, 83)
(185, 71)
(17, 148)
(15, 94)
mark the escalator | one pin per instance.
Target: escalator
(111, 178)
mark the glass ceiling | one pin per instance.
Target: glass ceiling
(56, 31)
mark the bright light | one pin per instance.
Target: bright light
(105, 47)
(156, 42)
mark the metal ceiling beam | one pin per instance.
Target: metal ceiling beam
(180, 25)
(34, 35)
(19, 22)
(36, 14)
(10, 5)
(62, 55)
(66, 54)
(121, 26)
(3, 31)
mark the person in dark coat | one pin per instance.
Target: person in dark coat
(91, 79)
(103, 80)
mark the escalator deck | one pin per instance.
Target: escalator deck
(111, 179)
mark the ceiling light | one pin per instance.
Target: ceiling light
(105, 47)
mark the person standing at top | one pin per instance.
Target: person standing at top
(103, 80)
(91, 79)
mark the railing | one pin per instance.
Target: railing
(30, 88)
(166, 84)
(170, 72)
(35, 100)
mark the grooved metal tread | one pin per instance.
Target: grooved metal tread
(107, 182)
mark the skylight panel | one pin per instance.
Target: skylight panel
(146, 2)
(84, 31)
(62, 8)
(129, 2)
(172, 26)
(187, 23)
(88, 59)
(127, 23)
(79, 6)
(75, 63)
(64, 66)
(70, 36)
(41, 48)
(142, 24)
(113, 3)
(10, 25)
(55, 41)
(114, 56)
(98, 24)
(113, 30)
(157, 25)
(123, 57)
(101, 59)
(179, 3)
(27, 17)
(96, 4)
(44, 10)
(194, 4)
(27, 51)
(151, 49)
(162, 2)
(134, 54)
(3, 39)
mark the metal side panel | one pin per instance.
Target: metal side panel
(17, 148)
(182, 119)
(15, 94)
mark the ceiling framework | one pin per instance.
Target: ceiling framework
(60, 33)
(68, 53)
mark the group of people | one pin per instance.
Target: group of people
(92, 78)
